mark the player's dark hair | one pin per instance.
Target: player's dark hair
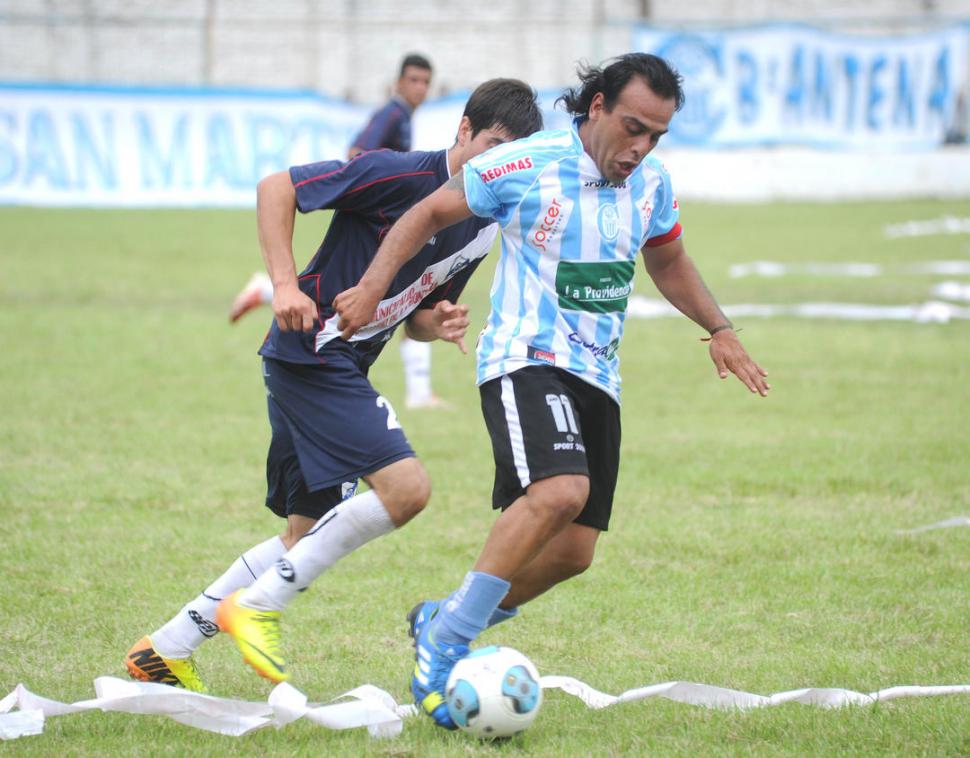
(416, 60)
(611, 79)
(509, 104)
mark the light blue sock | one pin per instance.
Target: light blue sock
(463, 616)
(500, 614)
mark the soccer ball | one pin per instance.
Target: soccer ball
(493, 692)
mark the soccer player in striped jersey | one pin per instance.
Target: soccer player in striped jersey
(330, 426)
(576, 208)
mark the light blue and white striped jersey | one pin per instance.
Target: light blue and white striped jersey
(570, 240)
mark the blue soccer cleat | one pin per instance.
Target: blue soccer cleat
(420, 615)
(432, 666)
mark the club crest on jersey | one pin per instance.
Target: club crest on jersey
(608, 220)
(460, 262)
(490, 174)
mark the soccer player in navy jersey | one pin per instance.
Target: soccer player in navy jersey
(577, 207)
(330, 426)
(389, 128)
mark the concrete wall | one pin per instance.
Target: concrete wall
(351, 48)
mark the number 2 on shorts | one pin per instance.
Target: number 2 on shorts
(392, 422)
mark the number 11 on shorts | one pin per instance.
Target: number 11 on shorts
(562, 413)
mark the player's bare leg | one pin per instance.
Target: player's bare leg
(566, 555)
(517, 537)
(527, 526)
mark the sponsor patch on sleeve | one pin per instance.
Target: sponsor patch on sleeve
(493, 173)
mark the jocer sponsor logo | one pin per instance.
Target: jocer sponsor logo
(550, 224)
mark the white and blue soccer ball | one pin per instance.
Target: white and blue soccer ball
(493, 692)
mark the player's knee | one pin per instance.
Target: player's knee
(574, 562)
(562, 497)
(405, 491)
(296, 528)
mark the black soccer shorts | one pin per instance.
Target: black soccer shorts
(545, 421)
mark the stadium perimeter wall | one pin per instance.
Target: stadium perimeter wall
(349, 49)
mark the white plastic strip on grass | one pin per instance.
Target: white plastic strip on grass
(952, 291)
(931, 227)
(365, 706)
(945, 524)
(373, 708)
(776, 269)
(932, 312)
(720, 697)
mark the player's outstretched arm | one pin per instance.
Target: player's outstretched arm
(443, 207)
(275, 214)
(678, 280)
(446, 321)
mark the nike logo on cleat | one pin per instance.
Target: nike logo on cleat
(269, 660)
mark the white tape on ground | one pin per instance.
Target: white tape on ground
(944, 225)
(371, 707)
(366, 706)
(952, 291)
(722, 698)
(932, 312)
(776, 269)
(945, 524)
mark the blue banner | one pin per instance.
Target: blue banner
(797, 85)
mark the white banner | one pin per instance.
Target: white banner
(104, 146)
(788, 84)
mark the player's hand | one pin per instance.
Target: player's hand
(450, 323)
(356, 307)
(730, 356)
(294, 311)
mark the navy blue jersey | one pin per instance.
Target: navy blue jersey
(368, 194)
(389, 127)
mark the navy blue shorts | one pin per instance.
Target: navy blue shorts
(330, 427)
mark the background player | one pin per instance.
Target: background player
(575, 208)
(330, 426)
(388, 128)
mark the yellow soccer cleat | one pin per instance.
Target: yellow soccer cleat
(257, 635)
(146, 665)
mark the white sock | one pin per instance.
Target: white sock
(351, 524)
(196, 622)
(416, 357)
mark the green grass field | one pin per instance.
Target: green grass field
(754, 542)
